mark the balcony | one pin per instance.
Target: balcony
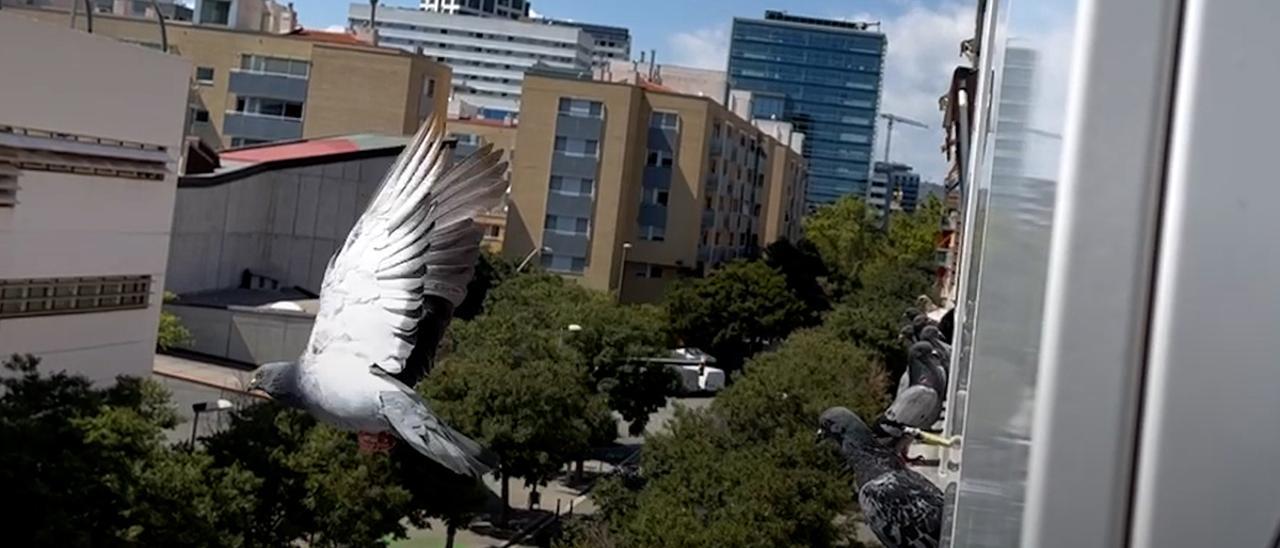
(261, 126)
(245, 83)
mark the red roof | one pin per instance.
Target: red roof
(301, 149)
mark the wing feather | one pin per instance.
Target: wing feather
(416, 241)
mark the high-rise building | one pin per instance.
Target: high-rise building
(86, 195)
(509, 9)
(893, 187)
(608, 43)
(824, 77)
(623, 187)
(489, 56)
(253, 88)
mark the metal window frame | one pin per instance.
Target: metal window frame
(130, 293)
(1092, 353)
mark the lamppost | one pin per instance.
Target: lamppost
(206, 407)
(529, 257)
(622, 270)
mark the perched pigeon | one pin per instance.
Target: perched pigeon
(932, 335)
(388, 295)
(901, 507)
(918, 405)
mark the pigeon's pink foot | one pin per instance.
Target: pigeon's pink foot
(380, 442)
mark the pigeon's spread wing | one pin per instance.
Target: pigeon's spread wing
(408, 259)
(903, 509)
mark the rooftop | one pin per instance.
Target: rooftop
(241, 162)
(783, 16)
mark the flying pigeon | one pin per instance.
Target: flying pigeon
(901, 507)
(388, 295)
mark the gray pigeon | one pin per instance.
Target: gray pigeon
(901, 507)
(932, 335)
(919, 403)
(388, 295)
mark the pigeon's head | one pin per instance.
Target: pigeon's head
(919, 321)
(910, 314)
(908, 332)
(841, 425)
(279, 380)
(931, 333)
(920, 351)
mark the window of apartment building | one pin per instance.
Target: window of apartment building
(562, 263)
(573, 186)
(664, 120)
(275, 65)
(572, 226)
(653, 233)
(570, 146)
(654, 196)
(581, 108)
(493, 231)
(48, 296)
(204, 75)
(8, 186)
(658, 158)
(263, 106)
(649, 271)
(710, 203)
(199, 115)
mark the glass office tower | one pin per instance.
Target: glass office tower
(823, 76)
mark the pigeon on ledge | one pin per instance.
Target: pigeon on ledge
(901, 507)
(387, 296)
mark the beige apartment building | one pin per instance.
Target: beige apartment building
(625, 187)
(251, 87)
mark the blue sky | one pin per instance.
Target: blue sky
(924, 44)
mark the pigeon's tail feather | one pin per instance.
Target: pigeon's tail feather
(414, 423)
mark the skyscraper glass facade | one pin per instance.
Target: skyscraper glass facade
(823, 77)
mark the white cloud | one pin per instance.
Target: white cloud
(924, 49)
(706, 48)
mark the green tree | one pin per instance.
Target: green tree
(805, 272)
(846, 235)
(608, 338)
(491, 271)
(518, 392)
(85, 465)
(746, 472)
(735, 312)
(171, 332)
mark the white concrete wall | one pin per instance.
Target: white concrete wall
(246, 336)
(74, 225)
(284, 224)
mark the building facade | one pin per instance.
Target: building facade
(86, 196)
(250, 15)
(252, 88)
(624, 188)
(893, 187)
(825, 78)
(508, 9)
(687, 80)
(608, 44)
(489, 56)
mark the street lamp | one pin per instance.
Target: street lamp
(626, 246)
(206, 407)
(529, 257)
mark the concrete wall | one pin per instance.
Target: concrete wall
(285, 224)
(75, 225)
(243, 335)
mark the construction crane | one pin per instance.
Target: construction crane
(888, 137)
